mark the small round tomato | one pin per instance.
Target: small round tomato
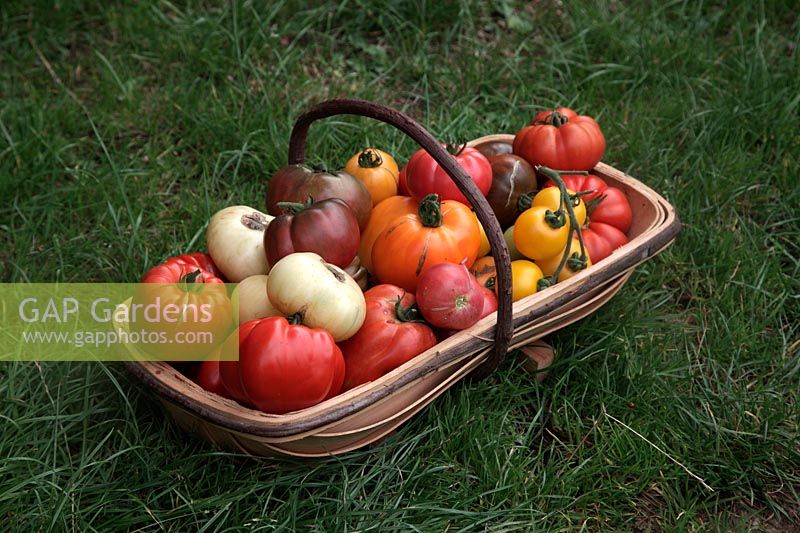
(513, 253)
(525, 276)
(449, 296)
(377, 170)
(550, 198)
(209, 378)
(485, 272)
(540, 232)
(550, 264)
(485, 247)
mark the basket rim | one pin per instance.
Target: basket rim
(467, 343)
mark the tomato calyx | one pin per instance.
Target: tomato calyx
(191, 281)
(406, 314)
(369, 158)
(592, 204)
(576, 262)
(525, 201)
(554, 119)
(543, 283)
(295, 319)
(555, 219)
(293, 208)
(455, 148)
(430, 211)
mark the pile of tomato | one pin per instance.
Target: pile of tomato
(351, 274)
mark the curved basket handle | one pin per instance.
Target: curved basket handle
(401, 121)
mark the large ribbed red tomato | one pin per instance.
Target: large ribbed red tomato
(199, 259)
(609, 214)
(190, 310)
(562, 140)
(392, 334)
(285, 367)
(424, 176)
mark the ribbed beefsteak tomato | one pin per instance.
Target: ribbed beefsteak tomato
(392, 334)
(438, 232)
(328, 228)
(298, 183)
(285, 367)
(562, 140)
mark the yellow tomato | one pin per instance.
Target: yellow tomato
(535, 235)
(525, 276)
(485, 247)
(377, 170)
(550, 264)
(512, 248)
(550, 197)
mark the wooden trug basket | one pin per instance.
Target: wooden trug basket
(371, 411)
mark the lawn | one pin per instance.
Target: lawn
(674, 407)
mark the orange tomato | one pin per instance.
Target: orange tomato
(485, 271)
(381, 215)
(377, 170)
(485, 247)
(438, 232)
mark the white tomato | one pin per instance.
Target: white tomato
(324, 295)
(235, 240)
(250, 300)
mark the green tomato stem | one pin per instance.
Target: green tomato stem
(430, 212)
(369, 158)
(406, 314)
(295, 319)
(573, 220)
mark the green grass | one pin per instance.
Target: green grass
(123, 129)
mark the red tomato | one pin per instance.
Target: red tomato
(610, 215)
(402, 185)
(392, 334)
(209, 378)
(562, 140)
(424, 176)
(175, 270)
(201, 260)
(285, 367)
(229, 370)
(449, 296)
(489, 302)
(190, 301)
(489, 307)
(328, 228)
